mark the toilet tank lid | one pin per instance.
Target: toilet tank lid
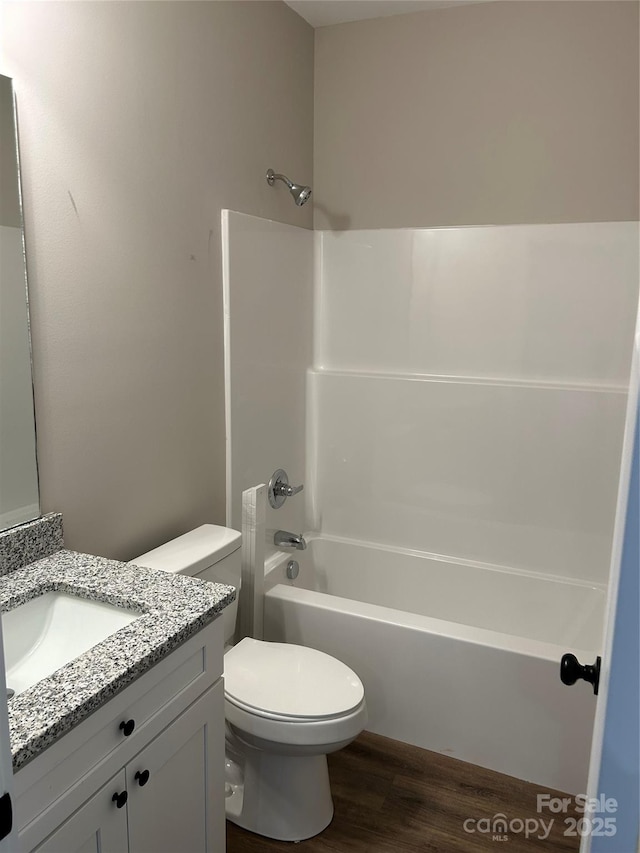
(193, 552)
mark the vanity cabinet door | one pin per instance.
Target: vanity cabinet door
(98, 826)
(176, 784)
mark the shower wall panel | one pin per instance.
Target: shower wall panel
(527, 302)
(268, 289)
(469, 389)
(511, 475)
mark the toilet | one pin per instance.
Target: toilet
(286, 706)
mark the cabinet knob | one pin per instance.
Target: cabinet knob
(120, 799)
(142, 777)
(127, 727)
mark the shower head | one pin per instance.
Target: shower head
(300, 194)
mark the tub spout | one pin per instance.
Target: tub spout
(284, 539)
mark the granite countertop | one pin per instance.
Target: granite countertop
(174, 607)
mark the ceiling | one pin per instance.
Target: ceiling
(323, 13)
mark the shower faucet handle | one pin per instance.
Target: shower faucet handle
(287, 491)
(279, 489)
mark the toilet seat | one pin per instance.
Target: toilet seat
(289, 683)
(282, 718)
(304, 734)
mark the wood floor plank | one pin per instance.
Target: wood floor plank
(391, 797)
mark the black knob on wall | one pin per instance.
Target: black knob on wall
(571, 670)
(120, 799)
(127, 726)
(142, 777)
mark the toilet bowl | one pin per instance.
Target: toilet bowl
(286, 706)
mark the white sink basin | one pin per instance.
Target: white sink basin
(52, 630)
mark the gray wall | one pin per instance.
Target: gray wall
(515, 112)
(139, 122)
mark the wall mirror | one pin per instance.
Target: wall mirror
(19, 500)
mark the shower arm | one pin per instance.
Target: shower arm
(272, 177)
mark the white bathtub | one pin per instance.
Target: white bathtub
(459, 658)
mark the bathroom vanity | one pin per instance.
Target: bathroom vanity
(158, 788)
(122, 748)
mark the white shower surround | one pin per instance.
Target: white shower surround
(466, 401)
(457, 658)
(469, 390)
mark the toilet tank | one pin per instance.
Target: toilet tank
(209, 552)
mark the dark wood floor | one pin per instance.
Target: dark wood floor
(394, 798)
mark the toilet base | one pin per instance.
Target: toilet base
(285, 797)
